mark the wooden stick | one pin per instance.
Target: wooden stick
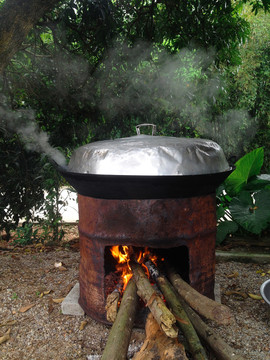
(193, 341)
(119, 337)
(159, 346)
(222, 350)
(161, 313)
(206, 307)
(112, 304)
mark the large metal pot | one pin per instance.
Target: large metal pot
(147, 167)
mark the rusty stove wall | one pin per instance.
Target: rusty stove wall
(159, 223)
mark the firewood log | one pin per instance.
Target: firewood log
(112, 304)
(192, 339)
(159, 346)
(119, 336)
(206, 307)
(156, 305)
(219, 347)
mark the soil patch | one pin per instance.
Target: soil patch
(30, 278)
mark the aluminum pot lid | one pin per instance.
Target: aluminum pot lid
(149, 155)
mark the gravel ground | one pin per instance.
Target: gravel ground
(31, 289)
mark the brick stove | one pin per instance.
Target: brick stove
(183, 230)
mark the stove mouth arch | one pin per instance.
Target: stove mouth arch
(176, 257)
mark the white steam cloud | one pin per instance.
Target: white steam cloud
(22, 122)
(145, 81)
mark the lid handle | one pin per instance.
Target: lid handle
(154, 128)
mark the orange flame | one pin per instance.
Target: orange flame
(122, 255)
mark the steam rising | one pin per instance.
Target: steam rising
(145, 83)
(22, 122)
(153, 79)
(155, 84)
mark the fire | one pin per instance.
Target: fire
(123, 256)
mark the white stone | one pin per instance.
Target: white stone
(70, 305)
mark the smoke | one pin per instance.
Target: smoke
(145, 83)
(23, 123)
(232, 130)
(148, 83)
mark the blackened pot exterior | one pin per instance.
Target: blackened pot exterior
(144, 187)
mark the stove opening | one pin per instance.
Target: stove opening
(176, 257)
(118, 272)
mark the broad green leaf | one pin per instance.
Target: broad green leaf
(225, 228)
(220, 190)
(222, 196)
(246, 167)
(258, 182)
(220, 211)
(253, 214)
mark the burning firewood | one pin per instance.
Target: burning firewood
(222, 350)
(206, 307)
(193, 341)
(119, 337)
(219, 347)
(161, 313)
(112, 303)
(159, 346)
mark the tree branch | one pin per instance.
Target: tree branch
(17, 17)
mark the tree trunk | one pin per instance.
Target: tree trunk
(159, 346)
(119, 337)
(17, 17)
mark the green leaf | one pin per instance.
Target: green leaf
(246, 167)
(220, 211)
(258, 182)
(220, 190)
(252, 213)
(46, 37)
(224, 229)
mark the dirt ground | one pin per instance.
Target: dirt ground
(33, 284)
